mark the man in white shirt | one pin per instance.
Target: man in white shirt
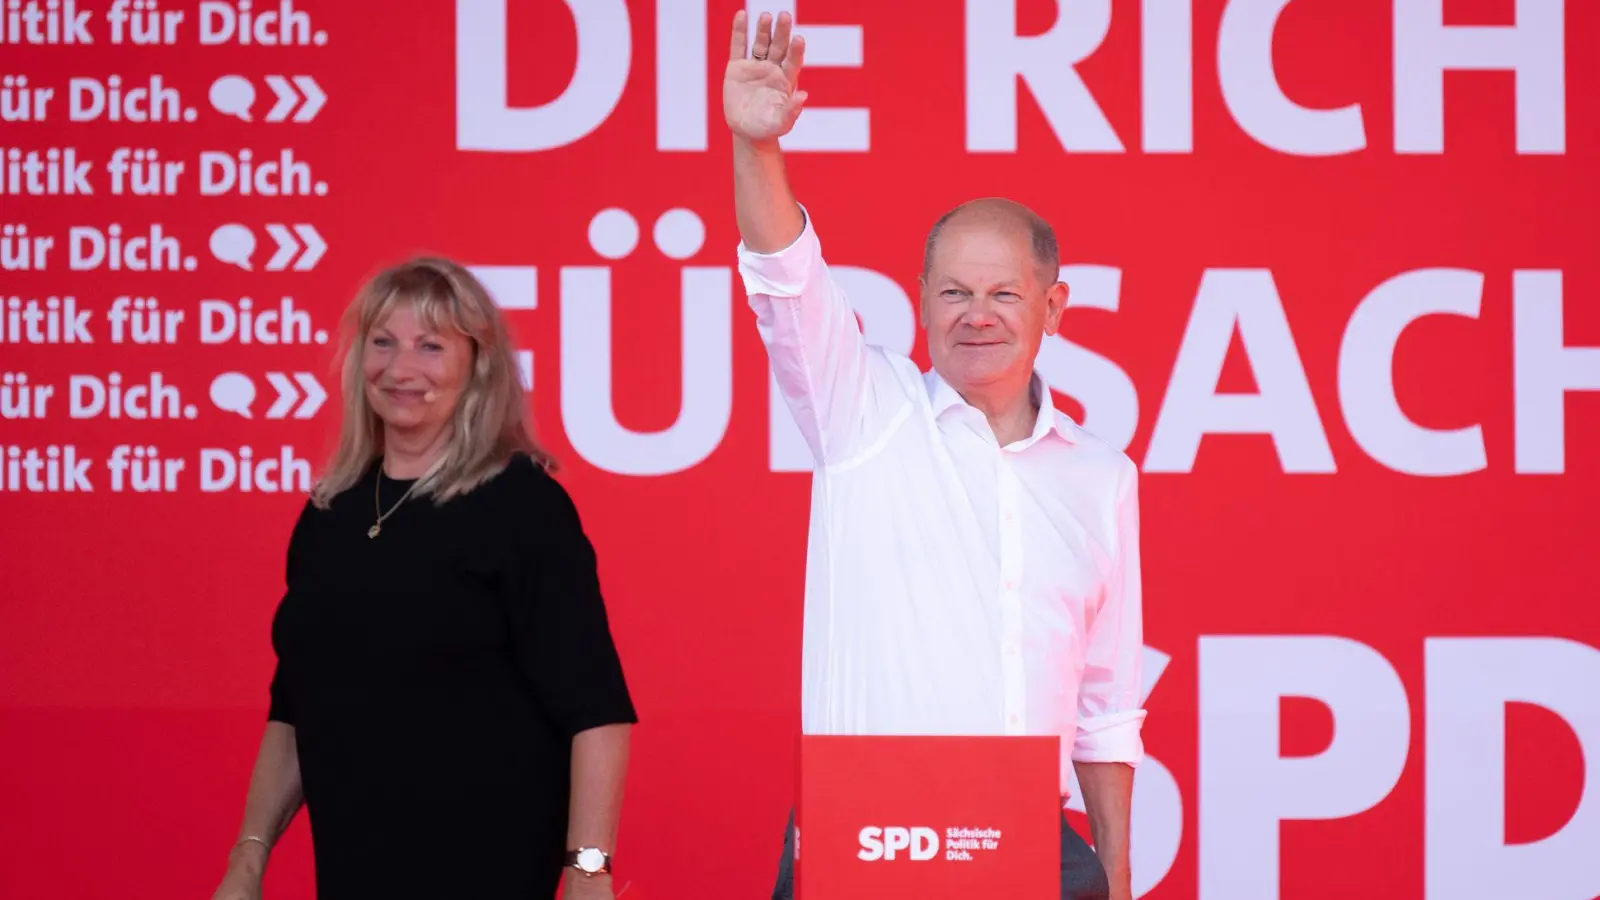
(973, 561)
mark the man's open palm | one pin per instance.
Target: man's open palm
(759, 98)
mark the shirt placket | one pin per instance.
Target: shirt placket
(1011, 660)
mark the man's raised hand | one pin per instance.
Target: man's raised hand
(759, 98)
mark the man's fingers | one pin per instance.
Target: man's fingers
(794, 59)
(763, 43)
(741, 36)
(780, 38)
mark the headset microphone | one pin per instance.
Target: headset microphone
(428, 397)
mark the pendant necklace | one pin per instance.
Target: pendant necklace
(377, 505)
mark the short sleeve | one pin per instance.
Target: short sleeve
(280, 706)
(561, 629)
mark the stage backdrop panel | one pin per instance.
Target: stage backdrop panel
(1333, 275)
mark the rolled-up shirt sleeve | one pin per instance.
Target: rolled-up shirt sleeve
(814, 343)
(1110, 719)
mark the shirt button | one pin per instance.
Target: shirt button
(1011, 585)
(1009, 517)
(1013, 718)
(1011, 651)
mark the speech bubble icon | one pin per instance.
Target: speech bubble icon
(233, 392)
(233, 95)
(233, 244)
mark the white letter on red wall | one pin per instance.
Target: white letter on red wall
(1534, 48)
(1167, 69)
(484, 121)
(1247, 789)
(1251, 90)
(1366, 373)
(681, 38)
(1282, 406)
(1545, 370)
(587, 411)
(1469, 683)
(997, 58)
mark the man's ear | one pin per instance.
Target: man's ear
(922, 300)
(1055, 301)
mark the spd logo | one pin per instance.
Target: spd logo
(884, 843)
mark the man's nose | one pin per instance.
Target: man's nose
(979, 313)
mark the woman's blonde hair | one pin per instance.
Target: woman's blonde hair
(492, 421)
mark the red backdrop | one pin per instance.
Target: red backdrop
(1325, 260)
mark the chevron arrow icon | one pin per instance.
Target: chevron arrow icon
(314, 395)
(314, 98)
(315, 247)
(288, 97)
(287, 247)
(300, 396)
(290, 243)
(288, 395)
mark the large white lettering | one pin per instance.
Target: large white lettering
(997, 57)
(1366, 373)
(1251, 90)
(485, 121)
(1282, 405)
(1546, 369)
(1470, 681)
(1534, 48)
(1167, 75)
(681, 53)
(1247, 789)
(587, 411)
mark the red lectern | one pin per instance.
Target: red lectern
(928, 817)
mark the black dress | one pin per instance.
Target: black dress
(435, 676)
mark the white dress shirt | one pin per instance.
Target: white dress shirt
(953, 586)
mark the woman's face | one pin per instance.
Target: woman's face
(414, 377)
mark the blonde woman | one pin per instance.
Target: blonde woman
(448, 703)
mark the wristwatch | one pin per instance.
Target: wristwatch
(589, 860)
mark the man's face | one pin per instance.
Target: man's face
(984, 305)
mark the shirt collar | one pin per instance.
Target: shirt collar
(944, 398)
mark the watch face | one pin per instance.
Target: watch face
(591, 860)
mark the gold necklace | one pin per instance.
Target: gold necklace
(377, 505)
